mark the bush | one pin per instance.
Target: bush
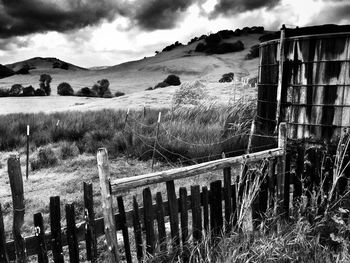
(68, 150)
(86, 92)
(46, 158)
(4, 92)
(213, 39)
(65, 89)
(40, 92)
(172, 46)
(16, 90)
(119, 93)
(173, 80)
(224, 48)
(161, 85)
(107, 94)
(189, 93)
(253, 53)
(228, 77)
(28, 91)
(201, 47)
(104, 86)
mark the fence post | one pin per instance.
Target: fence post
(107, 204)
(280, 72)
(252, 131)
(155, 142)
(281, 169)
(27, 152)
(16, 183)
(126, 119)
(90, 232)
(3, 250)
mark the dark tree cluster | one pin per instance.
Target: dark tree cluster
(171, 80)
(100, 89)
(172, 46)
(61, 65)
(65, 89)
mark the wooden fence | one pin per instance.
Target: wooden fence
(212, 209)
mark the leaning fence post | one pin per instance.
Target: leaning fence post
(3, 250)
(281, 168)
(107, 204)
(27, 152)
(155, 142)
(16, 183)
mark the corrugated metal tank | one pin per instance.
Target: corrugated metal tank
(314, 84)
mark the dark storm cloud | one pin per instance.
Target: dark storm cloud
(23, 17)
(229, 7)
(160, 14)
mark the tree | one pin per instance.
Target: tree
(45, 80)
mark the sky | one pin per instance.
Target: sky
(108, 32)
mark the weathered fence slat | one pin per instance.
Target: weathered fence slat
(227, 198)
(121, 209)
(16, 183)
(216, 218)
(299, 173)
(161, 222)
(90, 232)
(137, 229)
(73, 245)
(3, 250)
(55, 224)
(148, 221)
(173, 213)
(281, 169)
(107, 204)
(40, 234)
(287, 185)
(196, 213)
(184, 222)
(234, 206)
(205, 203)
(271, 184)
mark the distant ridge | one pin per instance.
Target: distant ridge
(43, 63)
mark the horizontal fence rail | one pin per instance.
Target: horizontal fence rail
(124, 184)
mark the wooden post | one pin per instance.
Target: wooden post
(216, 218)
(55, 224)
(281, 169)
(40, 238)
(156, 140)
(205, 202)
(184, 222)
(72, 241)
(280, 73)
(137, 229)
(16, 183)
(173, 214)
(27, 152)
(161, 222)
(125, 232)
(148, 220)
(228, 199)
(196, 213)
(3, 250)
(107, 205)
(252, 130)
(89, 215)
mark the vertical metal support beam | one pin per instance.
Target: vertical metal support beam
(280, 74)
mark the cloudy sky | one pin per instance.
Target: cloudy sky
(108, 32)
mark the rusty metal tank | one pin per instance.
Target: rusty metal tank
(310, 89)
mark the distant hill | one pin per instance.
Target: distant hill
(40, 63)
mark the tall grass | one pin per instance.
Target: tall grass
(195, 133)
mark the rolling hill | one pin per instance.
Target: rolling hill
(134, 77)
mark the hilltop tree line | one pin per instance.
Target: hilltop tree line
(215, 43)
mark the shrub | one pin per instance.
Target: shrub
(189, 93)
(16, 90)
(201, 47)
(253, 52)
(65, 89)
(172, 46)
(213, 39)
(45, 80)
(226, 48)
(28, 91)
(68, 150)
(228, 77)
(4, 92)
(40, 92)
(173, 80)
(107, 94)
(86, 92)
(119, 93)
(225, 34)
(46, 158)
(104, 86)
(161, 85)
